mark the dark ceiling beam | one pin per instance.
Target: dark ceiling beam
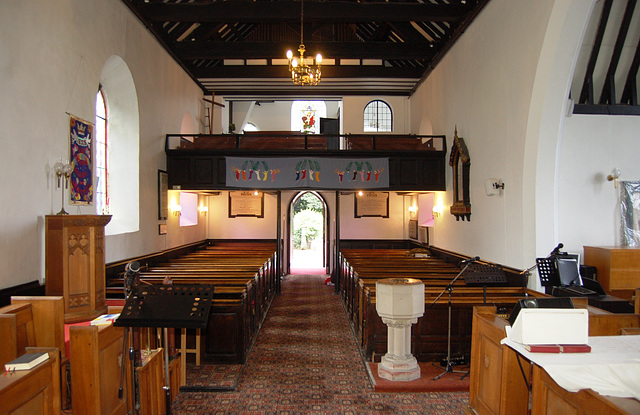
(281, 11)
(450, 41)
(282, 71)
(329, 50)
(608, 94)
(306, 92)
(630, 91)
(586, 94)
(407, 32)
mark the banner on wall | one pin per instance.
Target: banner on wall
(81, 136)
(307, 172)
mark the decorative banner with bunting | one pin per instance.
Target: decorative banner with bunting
(81, 135)
(307, 172)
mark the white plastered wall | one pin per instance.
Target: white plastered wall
(51, 57)
(510, 112)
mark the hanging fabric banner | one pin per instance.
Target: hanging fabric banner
(81, 135)
(307, 172)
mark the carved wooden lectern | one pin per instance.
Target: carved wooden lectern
(75, 263)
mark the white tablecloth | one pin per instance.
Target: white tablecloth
(612, 368)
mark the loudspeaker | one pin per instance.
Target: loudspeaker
(551, 302)
(588, 271)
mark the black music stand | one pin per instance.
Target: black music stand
(548, 272)
(167, 306)
(484, 275)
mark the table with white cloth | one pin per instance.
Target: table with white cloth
(610, 373)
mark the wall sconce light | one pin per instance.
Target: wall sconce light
(175, 209)
(493, 186)
(63, 170)
(203, 210)
(360, 193)
(613, 176)
(413, 209)
(437, 210)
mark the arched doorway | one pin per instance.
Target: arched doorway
(308, 233)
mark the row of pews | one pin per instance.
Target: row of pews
(244, 278)
(84, 369)
(361, 268)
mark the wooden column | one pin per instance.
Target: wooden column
(75, 263)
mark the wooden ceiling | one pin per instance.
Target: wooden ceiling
(237, 47)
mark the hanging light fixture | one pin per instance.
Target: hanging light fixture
(302, 74)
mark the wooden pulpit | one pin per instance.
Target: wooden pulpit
(75, 263)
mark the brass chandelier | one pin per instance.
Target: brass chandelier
(302, 74)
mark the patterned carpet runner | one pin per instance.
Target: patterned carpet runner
(306, 361)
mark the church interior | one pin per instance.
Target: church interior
(208, 225)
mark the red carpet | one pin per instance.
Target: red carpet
(450, 382)
(212, 377)
(306, 361)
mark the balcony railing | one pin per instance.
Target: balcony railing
(297, 141)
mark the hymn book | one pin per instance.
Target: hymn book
(26, 361)
(104, 320)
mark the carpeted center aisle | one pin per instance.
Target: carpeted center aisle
(306, 361)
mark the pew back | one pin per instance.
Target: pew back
(95, 370)
(48, 320)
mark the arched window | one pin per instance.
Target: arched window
(101, 160)
(378, 117)
(123, 147)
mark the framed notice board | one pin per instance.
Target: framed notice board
(371, 204)
(246, 203)
(163, 195)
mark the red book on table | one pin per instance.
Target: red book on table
(543, 348)
(558, 348)
(575, 348)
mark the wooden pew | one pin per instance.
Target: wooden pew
(95, 370)
(35, 321)
(48, 320)
(361, 268)
(244, 280)
(96, 373)
(34, 391)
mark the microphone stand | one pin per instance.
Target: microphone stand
(525, 278)
(130, 280)
(449, 289)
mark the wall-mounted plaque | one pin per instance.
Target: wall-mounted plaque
(163, 195)
(413, 229)
(246, 203)
(371, 204)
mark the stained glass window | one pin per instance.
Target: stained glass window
(101, 189)
(305, 116)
